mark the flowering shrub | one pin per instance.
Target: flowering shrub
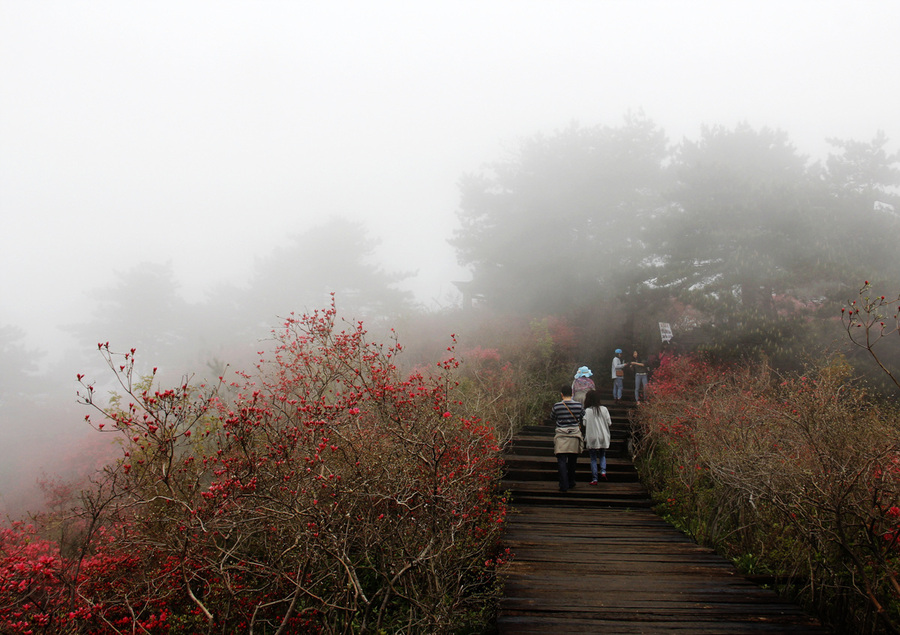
(869, 321)
(324, 492)
(31, 595)
(797, 478)
(489, 385)
(511, 374)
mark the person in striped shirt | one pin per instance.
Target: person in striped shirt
(568, 441)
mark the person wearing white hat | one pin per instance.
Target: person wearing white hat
(618, 374)
(582, 384)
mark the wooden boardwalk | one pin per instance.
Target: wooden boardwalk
(597, 559)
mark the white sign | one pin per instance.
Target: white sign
(665, 331)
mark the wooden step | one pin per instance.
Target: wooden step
(597, 559)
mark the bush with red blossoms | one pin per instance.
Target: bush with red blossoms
(32, 597)
(872, 323)
(323, 492)
(514, 382)
(797, 478)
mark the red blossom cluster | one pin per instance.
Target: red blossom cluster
(323, 492)
(30, 572)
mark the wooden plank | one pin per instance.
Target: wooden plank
(598, 559)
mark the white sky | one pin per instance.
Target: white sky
(202, 132)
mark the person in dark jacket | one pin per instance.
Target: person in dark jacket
(639, 365)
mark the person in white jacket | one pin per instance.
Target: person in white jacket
(618, 372)
(596, 434)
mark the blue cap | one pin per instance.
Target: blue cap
(618, 350)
